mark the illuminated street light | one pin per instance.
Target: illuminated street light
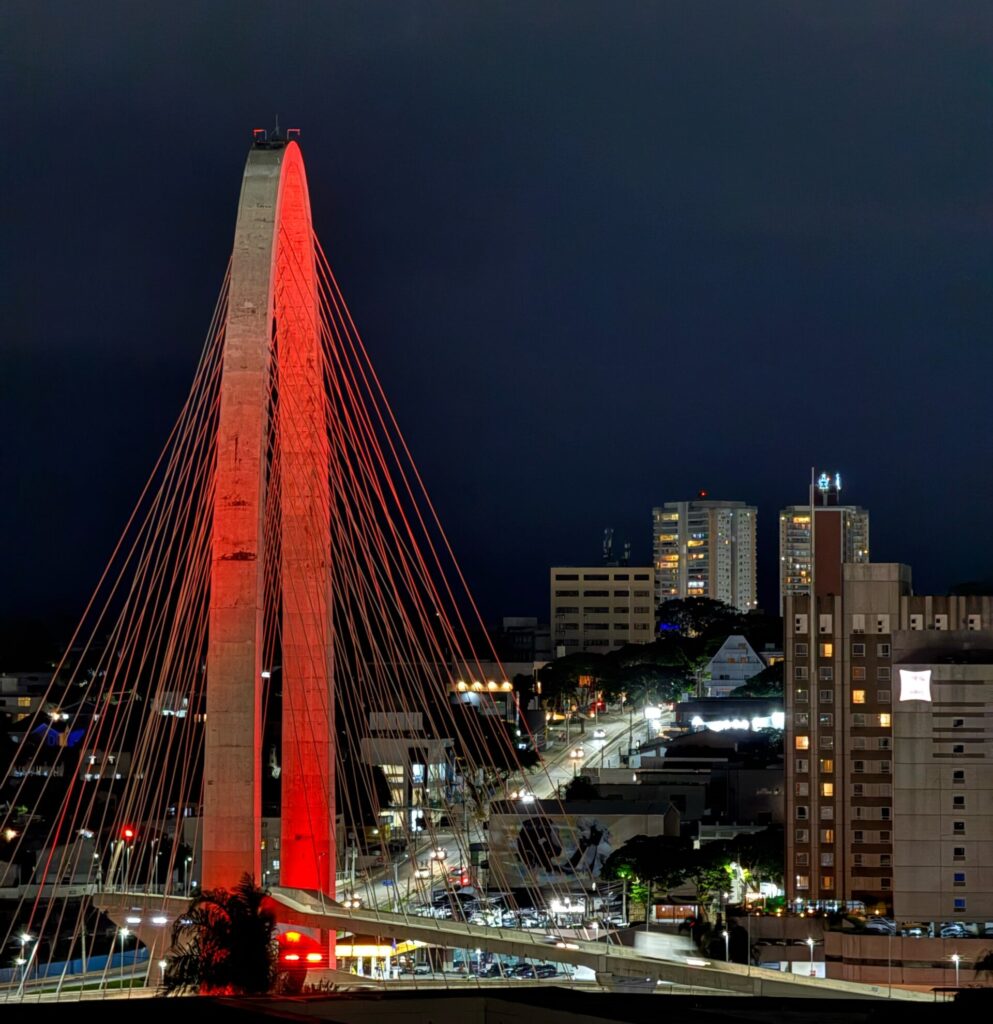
(125, 932)
(956, 959)
(727, 946)
(810, 946)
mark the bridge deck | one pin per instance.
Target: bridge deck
(622, 963)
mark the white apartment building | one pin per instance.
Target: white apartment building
(600, 608)
(706, 548)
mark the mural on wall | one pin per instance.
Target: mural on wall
(550, 849)
(541, 848)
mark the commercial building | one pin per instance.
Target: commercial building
(877, 810)
(598, 609)
(842, 536)
(706, 548)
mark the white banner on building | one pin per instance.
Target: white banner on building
(915, 685)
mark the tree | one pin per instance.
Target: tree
(562, 679)
(767, 683)
(666, 862)
(225, 944)
(760, 854)
(581, 788)
(698, 616)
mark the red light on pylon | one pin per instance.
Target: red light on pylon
(127, 833)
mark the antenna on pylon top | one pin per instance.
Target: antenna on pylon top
(275, 139)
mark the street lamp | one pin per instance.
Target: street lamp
(24, 938)
(163, 964)
(956, 959)
(810, 946)
(124, 934)
(576, 755)
(727, 946)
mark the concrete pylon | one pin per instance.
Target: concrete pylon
(272, 328)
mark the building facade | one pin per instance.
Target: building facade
(841, 745)
(600, 608)
(732, 666)
(942, 776)
(842, 536)
(706, 548)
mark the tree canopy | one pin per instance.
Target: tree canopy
(224, 944)
(690, 632)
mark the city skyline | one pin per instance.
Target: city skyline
(516, 252)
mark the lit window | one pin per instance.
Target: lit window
(827, 650)
(884, 720)
(802, 742)
(958, 903)
(827, 789)
(858, 696)
(827, 881)
(803, 882)
(827, 765)
(827, 835)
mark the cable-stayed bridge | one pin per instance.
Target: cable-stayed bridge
(275, 660)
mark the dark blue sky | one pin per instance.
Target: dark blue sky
(604, 254)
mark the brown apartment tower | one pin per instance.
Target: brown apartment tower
(863, 765)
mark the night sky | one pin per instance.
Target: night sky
(603, 255)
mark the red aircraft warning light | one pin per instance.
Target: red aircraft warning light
(127, 833)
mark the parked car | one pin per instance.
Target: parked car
(546, 971)
(524, 971)
(953, 930)
(881, 925)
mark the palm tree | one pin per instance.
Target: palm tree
(224, 944)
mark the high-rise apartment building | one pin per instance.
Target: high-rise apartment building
(706, 548)
(599, 608)
(878, 811)
(842, 533)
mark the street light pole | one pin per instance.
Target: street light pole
(124, 934)
(24, 938)
(956, 959)
(810, 946)
(727, 946)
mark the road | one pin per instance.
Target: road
(404, 882)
